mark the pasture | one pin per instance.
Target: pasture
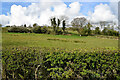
(44, 56)
(56, 41)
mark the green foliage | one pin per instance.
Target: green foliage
(78, 24)
(20, 63)
(19, 29)
(97, 30)
(55, 25)
(110, 32)
(44, 29)
(35, 25)
(37, 29)
(79, 65)
(59, 32)
(63, 24)
(40, 29)
(43, 63)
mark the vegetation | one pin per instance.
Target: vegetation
(64, 41)
(81, 25)
(39, 63)
(19, 30)
(77, 52)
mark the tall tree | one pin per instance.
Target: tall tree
(89, 28)
(63, 24)
(97, 30)
(79, 23)
(58, 24)
(53, 23)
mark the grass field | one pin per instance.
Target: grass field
(56, 41)
(69, 57)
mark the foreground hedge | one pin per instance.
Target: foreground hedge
(43, 64)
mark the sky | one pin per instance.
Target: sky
(20, 13)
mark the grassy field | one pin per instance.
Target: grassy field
(65, 57)
(56, 41)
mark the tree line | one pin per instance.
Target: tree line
(58, 26)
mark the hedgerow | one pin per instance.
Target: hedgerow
(38, 63)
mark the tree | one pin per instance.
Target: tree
(64, 20)
(53, 23)
(63, 24)
(58, 24)
(79, 23)
(97, 30)
(88, 28)
(0, 25)
(35, 24)
(24, 25)
(105, 30)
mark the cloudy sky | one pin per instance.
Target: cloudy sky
(18, 13)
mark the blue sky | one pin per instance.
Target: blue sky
(6, 6)
(85, 8)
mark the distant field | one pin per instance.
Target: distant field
(56, 41)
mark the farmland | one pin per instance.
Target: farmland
(46, 56)
(56, 41)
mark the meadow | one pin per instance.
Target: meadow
(57, 41)
(64, 57)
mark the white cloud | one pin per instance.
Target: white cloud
(41, 12)
(4, 19)
(74, 8)
(102, 12)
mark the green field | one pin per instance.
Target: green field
(56, 41)
(59, 57)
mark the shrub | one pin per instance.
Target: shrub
(37, 29)
(19, 29)
(46, 64)
(85, 66)
(110, 32)
(59, 32)
(40, 29)
(113, 33)
(44, 29)
(97, 30)
(48, 32)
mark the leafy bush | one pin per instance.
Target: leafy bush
(110, 32)
(59, 32)
(19, 30)
(90, 66)
(21, 64)
(33, 63)
(113, 33)
(44, 29)
(97, 30)
(37, 29)
(40, 29)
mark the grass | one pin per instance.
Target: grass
(56, 41)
